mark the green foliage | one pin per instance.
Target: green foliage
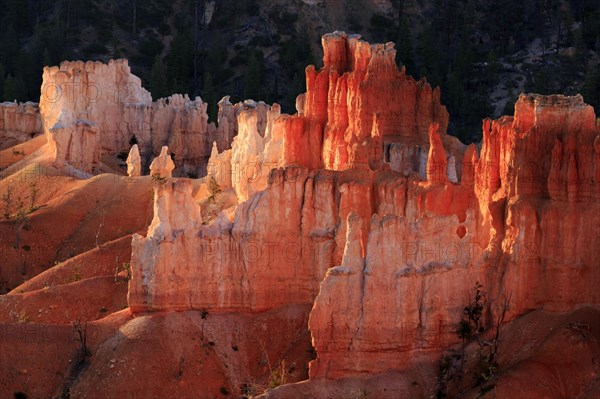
(158, 179)
(449, 48)
(14, 89)
(450, 371)
(213, 189)
(151, 47)
(210, 97)
(94, 49)
(252, 77)
(278, 376)
(23, 317)
(404, 46)
(591, 87)
(179, 62)
(158, 80)
(284, 20)
(473, 314)
(126, 267)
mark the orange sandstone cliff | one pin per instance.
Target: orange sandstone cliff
(386, 258)
(357, 223)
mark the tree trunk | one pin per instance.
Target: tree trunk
(134, 24)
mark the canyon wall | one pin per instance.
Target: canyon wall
(409, 250)
(359, 111)
(19, 122)
(91, 109)
(529, 230)
(387, 243)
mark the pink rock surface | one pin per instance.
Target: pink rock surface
(18, 122)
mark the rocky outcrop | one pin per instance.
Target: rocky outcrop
(360, 91)
(103, 107)
(255, 151)
(162, 166)
(509, 233)
(386, 254)
(275, 251)
(81, 101)
(134, 162)
(19, 122)
(342, 122)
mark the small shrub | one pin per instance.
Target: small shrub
(80, 332)
(204, 313)
(278, 376)
(213, 189)
(33, 193)
(126, 267)
(75, 276)
(23, 317)
(224, 391)
(158, 179)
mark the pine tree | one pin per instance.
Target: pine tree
(47, 61)
(1, 80)
(404, 54)
(252, 77)
(158, 79)
(591, 88)
(14, 89)
(209, 96)
(179, 62)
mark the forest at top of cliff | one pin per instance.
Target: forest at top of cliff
(482, 53)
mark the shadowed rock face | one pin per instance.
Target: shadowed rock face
(18, 122)
(385, 256)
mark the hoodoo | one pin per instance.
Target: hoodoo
(339, 245)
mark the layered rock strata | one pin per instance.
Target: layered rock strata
(386, 254)
(529, 231)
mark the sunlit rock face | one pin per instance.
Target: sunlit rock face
(93, 109)
(255, 150)
(359, 111)
(82, 106)
(527, 227)
(134, 162)
(379, 219)
(18, 122)
(162, 166)
(274, 252)
(365, 105)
